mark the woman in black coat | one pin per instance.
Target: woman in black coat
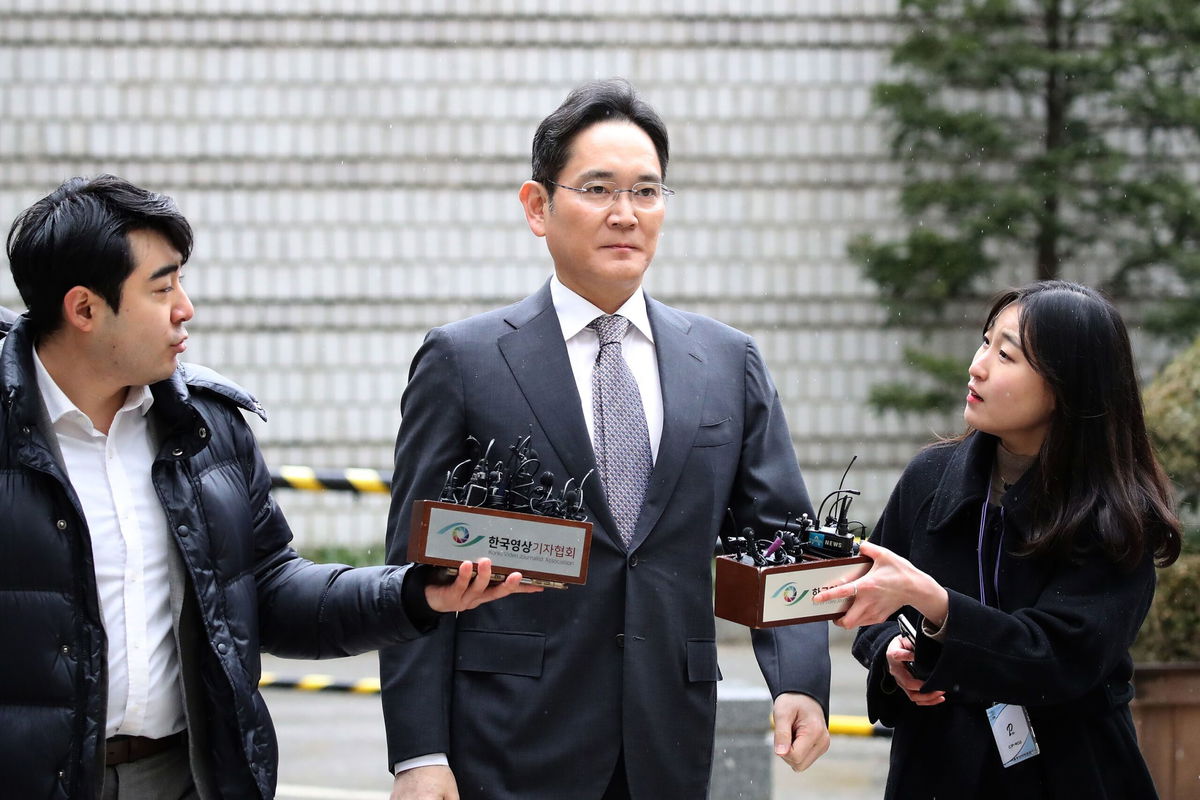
(1023, 555)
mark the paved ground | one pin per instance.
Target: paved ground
(332, 748)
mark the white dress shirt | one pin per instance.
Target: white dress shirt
(130, 541)
(583, 348)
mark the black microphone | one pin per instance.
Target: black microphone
(752, 547)
(508, 484)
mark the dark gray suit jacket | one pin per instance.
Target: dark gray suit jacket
(534, 696)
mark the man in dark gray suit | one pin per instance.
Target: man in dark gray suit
(606, 690)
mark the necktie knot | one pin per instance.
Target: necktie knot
(610, 328)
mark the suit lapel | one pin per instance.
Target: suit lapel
(537, 356)
(684, 378)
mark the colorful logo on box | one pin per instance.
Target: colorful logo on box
(790, 594)
(459, 534)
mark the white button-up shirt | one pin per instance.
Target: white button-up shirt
(130, 541)
(583, 348)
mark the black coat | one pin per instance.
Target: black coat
(1058, 644)
(254, 591)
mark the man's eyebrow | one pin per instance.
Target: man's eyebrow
(164, 271)
(608, 175)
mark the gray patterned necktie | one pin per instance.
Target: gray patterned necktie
(621, 440)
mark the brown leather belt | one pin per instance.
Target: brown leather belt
(123, 749)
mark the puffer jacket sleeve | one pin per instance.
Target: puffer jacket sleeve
(309, 610)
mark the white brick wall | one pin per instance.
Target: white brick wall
(352, 171)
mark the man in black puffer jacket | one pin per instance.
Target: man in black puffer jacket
(143, 562)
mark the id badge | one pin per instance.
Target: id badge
(1013, 733)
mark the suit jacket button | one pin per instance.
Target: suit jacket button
(633, 560)
(620, 640)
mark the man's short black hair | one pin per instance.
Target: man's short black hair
(78, 236)
(598, 101)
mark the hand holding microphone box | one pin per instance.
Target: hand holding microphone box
(774, 580)
(501, 511)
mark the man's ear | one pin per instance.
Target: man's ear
(80, 305)
(536, 203)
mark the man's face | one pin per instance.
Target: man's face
(600, 253)
(140, 344)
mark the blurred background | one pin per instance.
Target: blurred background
(351, 170)
(854, 179)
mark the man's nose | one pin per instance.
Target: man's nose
(622, 211)
(184, 310)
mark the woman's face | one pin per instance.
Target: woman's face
(1005, 396)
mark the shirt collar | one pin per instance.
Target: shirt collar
(574, 312)
(59, 406)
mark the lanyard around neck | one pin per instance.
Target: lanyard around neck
(999, 550)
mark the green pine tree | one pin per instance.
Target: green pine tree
(1038, 139)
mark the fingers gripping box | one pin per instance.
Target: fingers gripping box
(765, 597)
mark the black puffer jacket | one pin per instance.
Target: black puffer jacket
(253, 590)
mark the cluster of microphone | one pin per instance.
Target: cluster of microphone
(800, 538)
(513, 483)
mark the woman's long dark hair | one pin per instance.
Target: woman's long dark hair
(1096, 473)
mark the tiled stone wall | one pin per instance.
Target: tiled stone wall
(351, 168)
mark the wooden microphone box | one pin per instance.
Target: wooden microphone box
(547, 551)
(765, 597)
